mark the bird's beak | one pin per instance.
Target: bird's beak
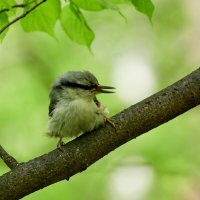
(102, 89)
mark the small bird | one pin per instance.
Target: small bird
(74, 108)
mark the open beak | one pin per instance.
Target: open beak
(102, 89)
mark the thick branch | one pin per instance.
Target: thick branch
(82, 152)
(8, 159)
(21, 16)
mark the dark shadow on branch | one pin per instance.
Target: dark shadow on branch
(82, 152)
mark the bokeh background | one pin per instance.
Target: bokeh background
(139, 59)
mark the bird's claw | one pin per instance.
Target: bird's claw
(60, 144)
(111, 122)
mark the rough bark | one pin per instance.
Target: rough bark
(7, 158)
(82, 152)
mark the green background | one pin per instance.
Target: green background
(162, 164)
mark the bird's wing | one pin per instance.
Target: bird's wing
(52, 105)
(54, 99)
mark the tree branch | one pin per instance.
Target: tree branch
(82, 152)
(22, 5)
(4, 10)
(21, 16)
(8, 159)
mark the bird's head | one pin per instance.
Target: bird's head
(78, 84)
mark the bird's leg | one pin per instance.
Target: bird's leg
(110, 121)
(102, 110)
(60, 143)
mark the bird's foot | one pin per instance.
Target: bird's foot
(110, 121)
(60, 144)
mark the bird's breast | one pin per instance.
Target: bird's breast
(85, 114)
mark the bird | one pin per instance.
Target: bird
(74, 108)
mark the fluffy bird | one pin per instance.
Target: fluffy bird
(74, 108)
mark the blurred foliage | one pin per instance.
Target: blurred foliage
(30, 62)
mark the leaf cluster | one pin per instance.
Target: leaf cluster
(42, 15)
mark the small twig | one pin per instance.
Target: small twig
(21, 5)
(8, 159)
(16, 6)
(21, 16)
(4, 10)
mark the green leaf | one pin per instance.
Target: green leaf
(97, 5)
(7, 7)
(119, 1)
(3, 22)
(9, 3)
(75, 25)
(43, 18)
(108, 5)
(92, 5)
(3, 6)
(144, 6)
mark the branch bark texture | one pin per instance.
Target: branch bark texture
(82, 152)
